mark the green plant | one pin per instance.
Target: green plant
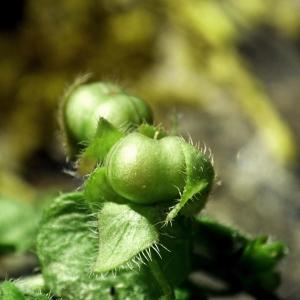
(132, 230)
(14, 237)
(84, 104)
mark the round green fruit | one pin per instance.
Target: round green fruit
(84, 106)
(145, 170)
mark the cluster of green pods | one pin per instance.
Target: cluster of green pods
(139, 180)
(139, 162)
(85, 104)
(135, 214)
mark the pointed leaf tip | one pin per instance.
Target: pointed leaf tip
(106, 136)
(124, 231)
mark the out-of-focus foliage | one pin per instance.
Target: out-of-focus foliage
(184, 51)
(244, 263)
(18, 225)
(14, 187)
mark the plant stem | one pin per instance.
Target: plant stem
(162, 280)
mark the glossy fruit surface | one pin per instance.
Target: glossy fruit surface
(146, 170)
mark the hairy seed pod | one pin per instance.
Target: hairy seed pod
(146, 170)
(87, 103)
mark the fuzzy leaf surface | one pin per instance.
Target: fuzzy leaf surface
(8, 291)
(124, 231)
(68, 250)
(199, 178)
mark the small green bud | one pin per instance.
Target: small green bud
(87, 103)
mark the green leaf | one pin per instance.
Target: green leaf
(199, 179)
(106, 136)
(176, 263)
(98, 190)
(263, 254)
(182, 294)
(244, 263)
(9, 291)
(216, 240)
(18, 224)
(33, 284)
(124, 231)
(68, 249)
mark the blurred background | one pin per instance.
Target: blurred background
(227, 73)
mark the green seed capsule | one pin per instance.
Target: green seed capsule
(84, 106)
(145, 170)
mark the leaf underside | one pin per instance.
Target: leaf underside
(124, 231)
